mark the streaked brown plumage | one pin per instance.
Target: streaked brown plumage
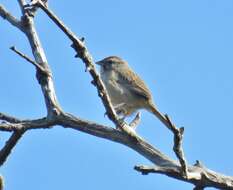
(127, 91)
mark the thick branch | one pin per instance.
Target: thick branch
(198, 175)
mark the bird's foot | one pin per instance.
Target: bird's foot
(122, 123)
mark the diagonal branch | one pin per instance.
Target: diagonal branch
(10, 144)
(38, 66)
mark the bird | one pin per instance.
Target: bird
(127, 91)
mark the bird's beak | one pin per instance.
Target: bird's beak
(100, 63)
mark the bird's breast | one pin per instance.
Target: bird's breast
(116, 91)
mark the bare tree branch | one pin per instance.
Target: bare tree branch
(198, 175)
(6, 150)
(45, 81)
(10, 18)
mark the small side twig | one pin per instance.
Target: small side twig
(178, 137)
(145, 170)
(38, 66)
(8, 118)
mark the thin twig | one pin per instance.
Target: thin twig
(178, 136)
(145, 170)
(38, 66)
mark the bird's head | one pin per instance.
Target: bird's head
(111, 63)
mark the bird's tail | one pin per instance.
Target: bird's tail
(160, 116)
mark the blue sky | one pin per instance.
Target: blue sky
(182, 49)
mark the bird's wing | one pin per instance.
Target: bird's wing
(133, 83)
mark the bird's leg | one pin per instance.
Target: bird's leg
(134, 123)
(122, 122)
(119, 107)
(120, 110)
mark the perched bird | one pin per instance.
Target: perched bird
(127, 91)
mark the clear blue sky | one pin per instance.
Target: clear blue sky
(182, 49)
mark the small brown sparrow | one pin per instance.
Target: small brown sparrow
(127, 91)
